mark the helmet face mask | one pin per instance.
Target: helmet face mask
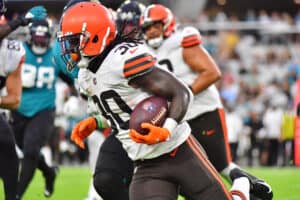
(39, 36)
(70, 46)
(128, 16)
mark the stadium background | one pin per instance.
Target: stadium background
(257, 46)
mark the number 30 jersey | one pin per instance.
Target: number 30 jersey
(116, 99)
(169, 56)
(11, 56)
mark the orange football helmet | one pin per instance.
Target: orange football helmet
(85, 30)
(159, 13)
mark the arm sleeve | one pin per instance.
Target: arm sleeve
(138, 65)
(191, 37)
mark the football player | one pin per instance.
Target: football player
(33, 121)
(180, 51)
(12, 56)
(128, 18)
(124, 73)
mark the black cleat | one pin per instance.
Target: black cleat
(259, 189)
(50, 180)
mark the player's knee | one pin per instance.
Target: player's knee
(31, 153)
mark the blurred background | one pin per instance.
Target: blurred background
(256, 45)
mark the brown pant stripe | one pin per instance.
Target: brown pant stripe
(224, 128)
(192, 144)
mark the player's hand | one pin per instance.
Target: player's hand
(156, 134)
(82, 130)
(34, 14)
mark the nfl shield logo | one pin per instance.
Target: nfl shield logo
(148, 106)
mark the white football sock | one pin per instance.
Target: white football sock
(240, 189)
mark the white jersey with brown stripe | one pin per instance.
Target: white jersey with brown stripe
(116, 98)
(169, 56)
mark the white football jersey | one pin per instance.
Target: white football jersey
(11, 56)
(116, 99)
(169, 56)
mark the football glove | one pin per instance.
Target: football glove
(156, 134)
(82, 130)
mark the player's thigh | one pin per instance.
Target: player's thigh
(211, 132)
(38, 131)
(199, 179)
(18, 123)
(7, 142)
(113, 158)
(152, 189)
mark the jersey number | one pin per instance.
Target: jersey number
(110, 102)
(13, 45)
(168, 63)
(39, 77)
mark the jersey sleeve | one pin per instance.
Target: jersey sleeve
(15, 55)
(138, 63)
(191, 37)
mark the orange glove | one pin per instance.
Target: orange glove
(156, 134)
(82, 130)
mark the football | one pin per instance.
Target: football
(152, 110)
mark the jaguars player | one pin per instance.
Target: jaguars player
(180, 51)
(11, 58)
(124, 74)
(33, 121)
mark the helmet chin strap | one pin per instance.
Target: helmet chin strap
(155, 42)
(38, 50)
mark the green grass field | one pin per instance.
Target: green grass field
(72, 184)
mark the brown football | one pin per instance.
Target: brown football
(153, 110)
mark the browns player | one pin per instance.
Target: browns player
(124, 74)
(180, 51)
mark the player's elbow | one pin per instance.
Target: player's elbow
(216, 75)
(186, 97)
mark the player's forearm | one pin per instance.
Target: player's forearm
(10, 102)
(204, 80)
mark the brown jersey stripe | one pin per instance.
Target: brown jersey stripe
(190, 44)
(129, 68)
(139, 69)
(191, 40)
(138, 62)
(203, 159)
(137, 58)
(191, 37)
